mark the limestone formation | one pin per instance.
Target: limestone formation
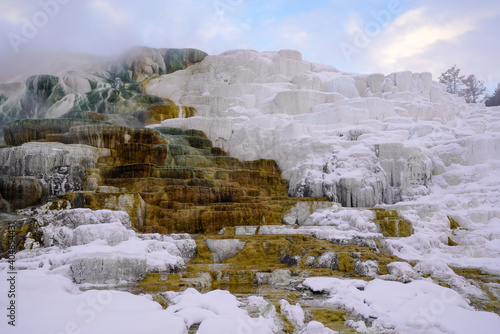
(143, 62)
(77, 217)
(149, 146)
(35, 171)
(300, 214)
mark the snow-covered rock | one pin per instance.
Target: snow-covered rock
(110, 270)
(419, 306)
(76, 217)
(366, 268)
(315, 327)
(216, 311)
(302, 212)
(333, 134)
(293, 313)
(402, 271)
(224, 248)
(99, 247)
(63, 236)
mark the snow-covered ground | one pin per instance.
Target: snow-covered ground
(397, 141)
(51, 303)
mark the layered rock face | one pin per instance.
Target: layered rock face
(322, 126)
(35, 171)
(168, 180)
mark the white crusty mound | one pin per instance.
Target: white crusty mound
(354, 138)
(360, 139)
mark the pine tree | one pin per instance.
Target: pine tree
(493, 100)
(452, 79)
(473, 89)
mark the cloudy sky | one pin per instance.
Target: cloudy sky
(355, 36)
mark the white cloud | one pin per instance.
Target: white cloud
(353, 24)
(111, 11)
(217, 30)
(412, 34)
(295, 36)
(432, 38)
(12, 12)
(223, 28)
